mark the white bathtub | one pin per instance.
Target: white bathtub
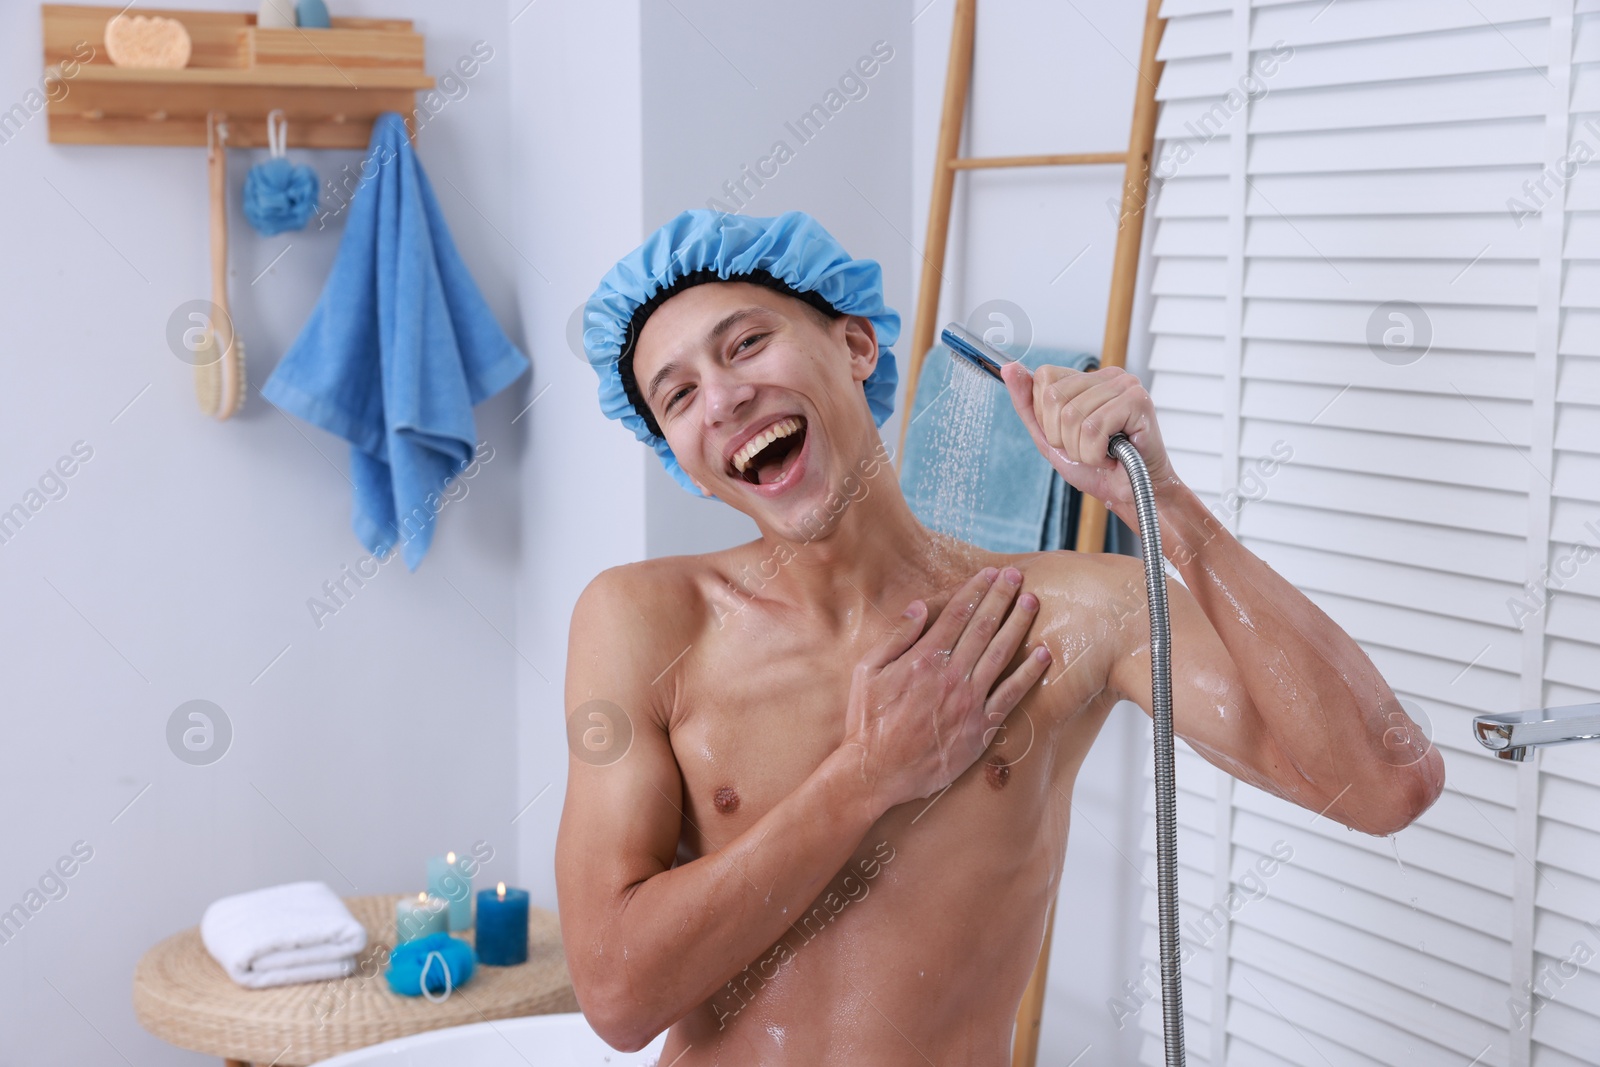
(563, 1040)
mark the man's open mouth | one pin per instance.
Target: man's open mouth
(775, 451)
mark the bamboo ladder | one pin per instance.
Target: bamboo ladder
(1119, 313)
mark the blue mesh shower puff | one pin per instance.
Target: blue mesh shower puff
(279, 195)
(406, 963)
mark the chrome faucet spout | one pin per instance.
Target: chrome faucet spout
(1511, 735)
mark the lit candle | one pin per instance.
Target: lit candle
(419, 916)
(502, 937)
(449, 880)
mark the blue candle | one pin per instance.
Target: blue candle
(502, 938)
(448, 878)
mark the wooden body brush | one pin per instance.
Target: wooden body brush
(219, 361)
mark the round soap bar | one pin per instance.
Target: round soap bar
(275, 15)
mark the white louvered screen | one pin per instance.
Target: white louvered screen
(1403, 151)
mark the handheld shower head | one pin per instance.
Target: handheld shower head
(967, 347)
(974, 349)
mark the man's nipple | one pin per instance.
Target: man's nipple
(726, 800)
(997, 772)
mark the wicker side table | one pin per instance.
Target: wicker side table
(183, 996)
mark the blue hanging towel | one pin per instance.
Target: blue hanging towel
(398, 350)
(1022, 504)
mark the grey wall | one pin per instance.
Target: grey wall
(179, 563)
(723, 83)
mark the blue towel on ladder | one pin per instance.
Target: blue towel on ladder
(399, 349)
(1022, 504)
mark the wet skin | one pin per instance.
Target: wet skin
(923, 942)
(741, 869)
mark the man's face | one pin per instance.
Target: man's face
(723, 363)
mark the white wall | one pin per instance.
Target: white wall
(179, 563)
(1049, 78)
(576, 97)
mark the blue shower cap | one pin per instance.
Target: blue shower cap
(792, 248)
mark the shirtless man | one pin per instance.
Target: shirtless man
(794, 832)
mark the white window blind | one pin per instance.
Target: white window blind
(1441, 503)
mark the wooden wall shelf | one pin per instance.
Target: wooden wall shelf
(331, 84)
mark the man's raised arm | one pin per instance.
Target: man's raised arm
(1264, 683)
(646, 942)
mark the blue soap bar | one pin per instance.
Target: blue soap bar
(311, 15)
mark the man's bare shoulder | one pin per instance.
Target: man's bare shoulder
(630, 623)
(1080, 586)
(667, 597)
(1082, 580)
(668, 587)
(1092, 607)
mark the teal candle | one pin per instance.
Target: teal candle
(419, 916)
(449, 880)
(502, 937)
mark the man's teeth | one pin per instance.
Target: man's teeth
(782, 428)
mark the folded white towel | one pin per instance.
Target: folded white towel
(284, 934)
(315, 972)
